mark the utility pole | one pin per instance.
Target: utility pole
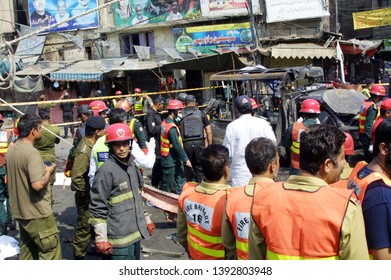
(337, 25)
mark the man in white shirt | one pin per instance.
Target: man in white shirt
(140, 18)
(239, 133)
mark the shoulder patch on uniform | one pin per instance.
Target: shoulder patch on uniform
(141, 128)
(84, 149)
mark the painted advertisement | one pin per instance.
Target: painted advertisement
(204, 38)
(48, 12)
(139, 12)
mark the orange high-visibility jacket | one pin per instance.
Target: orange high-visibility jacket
(297, 128)
(204, 215)
(358, 183)
(165, 144)
(375, 125)
(238, 213)
(300, 225)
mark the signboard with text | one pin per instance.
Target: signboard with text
(139, 12)
(374, 18)
(286, 10)
(48, 12)
(204, 38)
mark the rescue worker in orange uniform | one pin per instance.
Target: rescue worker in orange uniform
(263, 162)
(201, 207)
(373, 181)
(114, 101)
(171, 149)
(310, 109)
(385, 112)
(369, 111)
(135, 125)
(347, 169)
(304, 218)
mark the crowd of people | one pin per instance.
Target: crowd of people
(230, 204)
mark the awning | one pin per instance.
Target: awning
(298, 50)
(354, 46)
(210, 63)
(86, 71)
(41, 68)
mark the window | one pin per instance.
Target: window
(138, 39)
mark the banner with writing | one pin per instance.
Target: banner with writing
(374, 18)
(205, 38)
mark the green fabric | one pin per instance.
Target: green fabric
(4, 208)
(39, 239)
(371, 117)
(173, 179)
(177, 155)
(82, 237)
(46, 144)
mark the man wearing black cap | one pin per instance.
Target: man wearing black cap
(239, 133)
(95, 128)
(153, 121)
(83, 112)
(192, 127)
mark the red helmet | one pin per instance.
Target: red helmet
(378, 90)
(137, 90)
(97, 107)
(386, 104)
(123, 104)
(254, 104)
(174, 104)
(311, 106)
(118, 132)
(118, 92)
(1, 118)
(348, 145)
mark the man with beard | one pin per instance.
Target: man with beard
(304, 217)
(28, 180)
(40, 18)
(373, 185)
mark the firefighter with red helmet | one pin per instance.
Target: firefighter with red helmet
(369, 111)
(99, 108)
(172, 152)
(136, 128)
(114, 101)
(385, 112)
(310, 109)
(118, 233)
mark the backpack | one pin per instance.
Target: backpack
(191, 125)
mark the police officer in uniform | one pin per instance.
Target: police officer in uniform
(192, 125)
(95, 128)
(171, 149)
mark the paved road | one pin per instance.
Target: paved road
(162, 242)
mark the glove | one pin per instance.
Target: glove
(68, 168)
(104, 248)
(102, 244)
(145, 151)
(150, 224)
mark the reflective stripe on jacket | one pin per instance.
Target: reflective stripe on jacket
(300, 225)
(358, 182)
(363, 114)
(204, 214)
(131, 126)
(165, 144)
(238, 213)
(297, 129)
(101, 152)
(5, 136)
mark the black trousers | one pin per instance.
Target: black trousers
(194, 150)
(157, 173)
